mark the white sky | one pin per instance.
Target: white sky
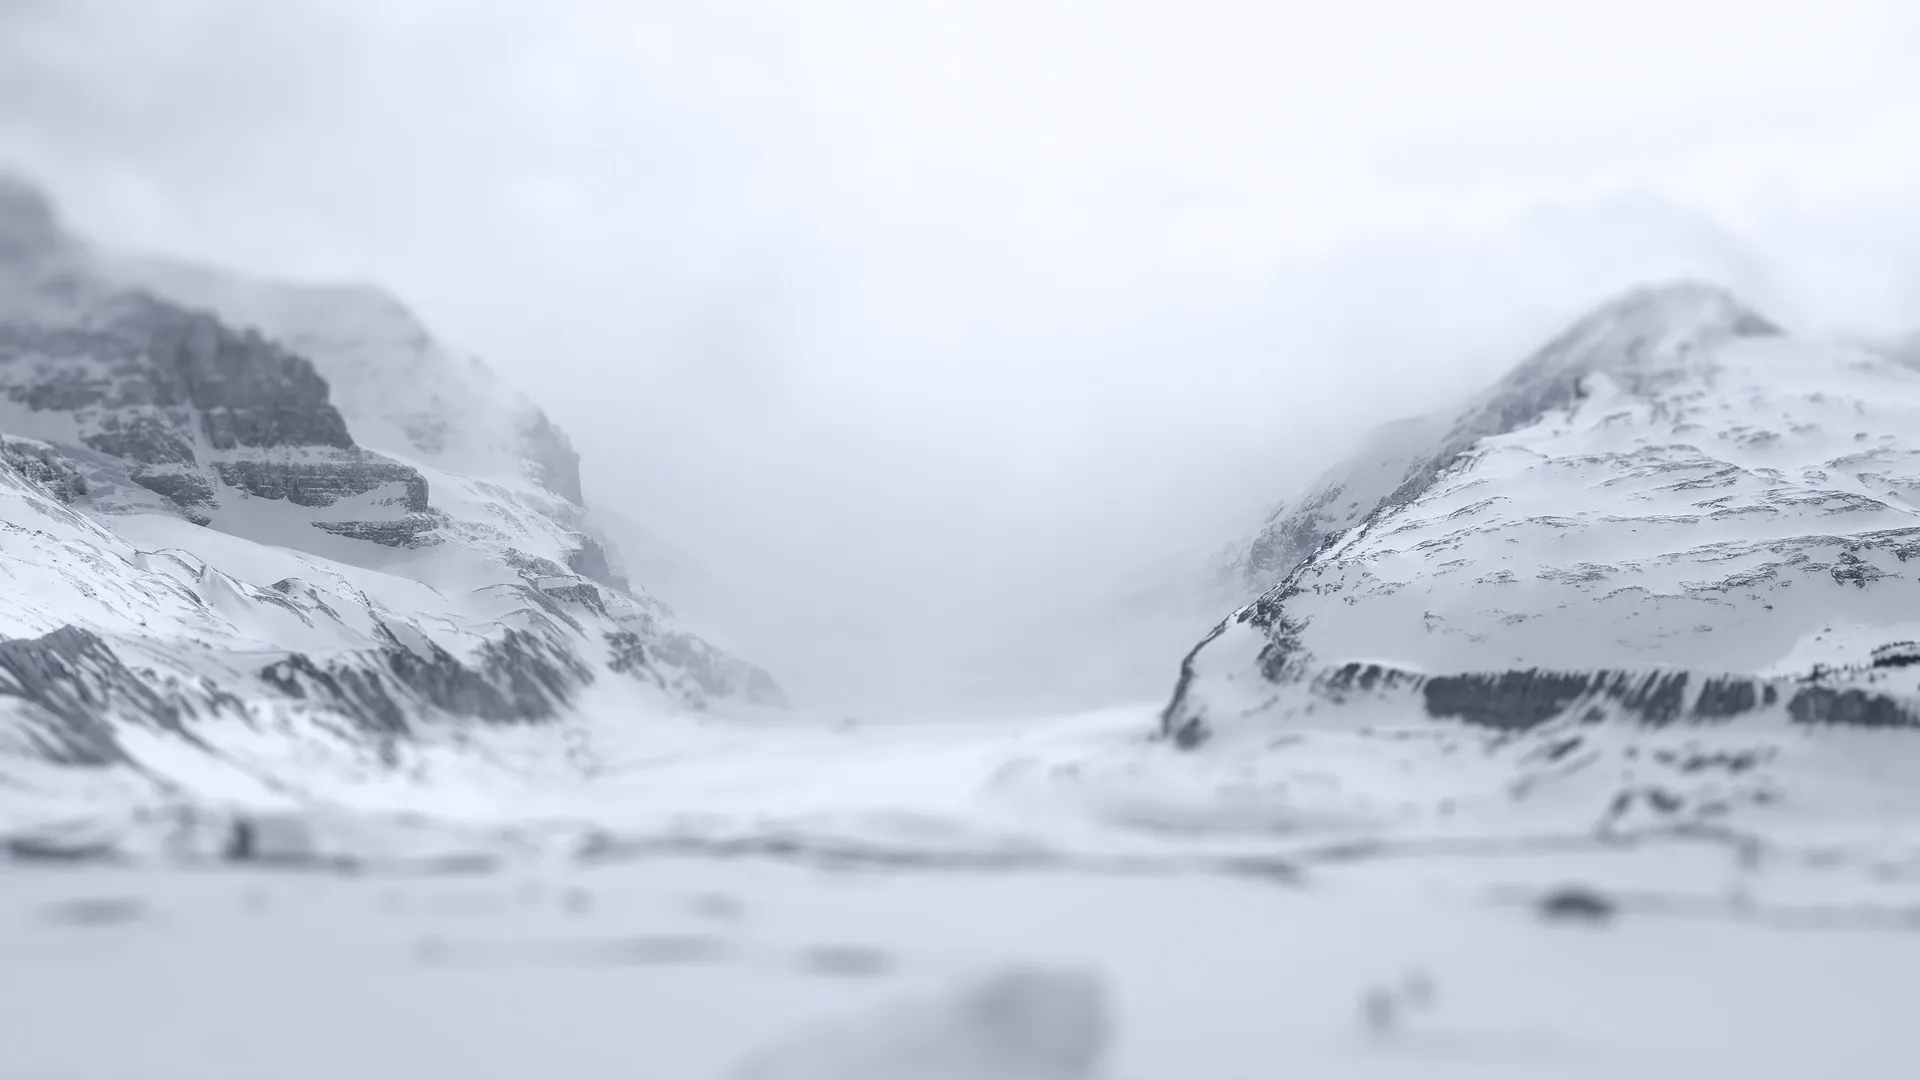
(926, 322)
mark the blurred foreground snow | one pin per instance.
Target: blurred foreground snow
(1034, 902)
(1015, 1023)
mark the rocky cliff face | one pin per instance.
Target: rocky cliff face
(1673, 512)
(402, 391)
(171, 400)
(198, 549)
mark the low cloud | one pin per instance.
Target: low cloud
(933, 328)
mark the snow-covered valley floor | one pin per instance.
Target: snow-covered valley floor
(816, 902)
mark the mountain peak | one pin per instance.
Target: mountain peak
(29, 221)
(1718, 510)
(1648, 327)
(1689, 296)
(1643, 339)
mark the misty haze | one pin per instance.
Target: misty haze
(958, 539)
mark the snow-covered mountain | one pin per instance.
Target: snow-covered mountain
(403, 392)
(1674, 513)
(291, 522)
(1396, 460)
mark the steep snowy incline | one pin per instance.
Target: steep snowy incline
(506, 478)
(167, 409)
(201, 565)
(1640, 335)
(1670, 492)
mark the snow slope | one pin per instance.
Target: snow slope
(1660, 574)
(210, 582)
(1643, 333)
(403, 391)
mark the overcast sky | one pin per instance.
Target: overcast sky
(907, 316)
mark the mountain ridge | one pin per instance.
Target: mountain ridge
(1656, 461)
(1401, 457)
(199, 549)
(403, 391)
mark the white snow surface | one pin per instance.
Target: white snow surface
(1048, 900)
(1727, 504)
(1634, 528)
(1650, 337)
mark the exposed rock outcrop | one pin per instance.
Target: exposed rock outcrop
(589, 560)
(519, 677)
(120, 407)
(1523, 700)
(62, 694)
(686, 665)
(189, 404)
(553, 462)
(323, 483)
(402, 391)
(39, 463)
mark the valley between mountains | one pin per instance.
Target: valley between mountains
(1558, 732)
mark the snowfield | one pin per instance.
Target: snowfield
(912, 904)
(1050, 899)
